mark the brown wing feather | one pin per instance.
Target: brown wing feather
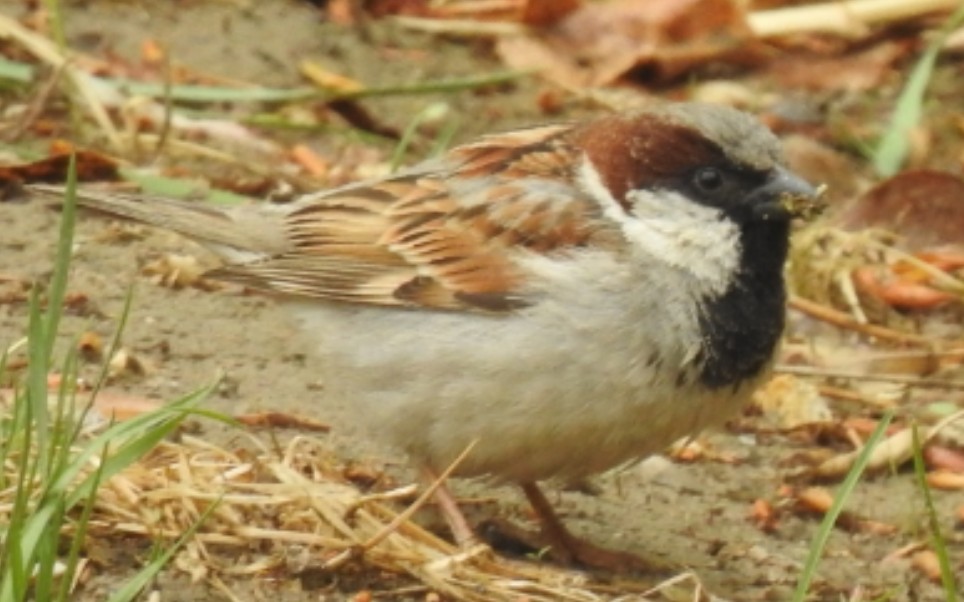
(441, 238)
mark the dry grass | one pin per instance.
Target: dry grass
(281, 513)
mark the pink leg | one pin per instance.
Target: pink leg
(464, 536)
(569, 549)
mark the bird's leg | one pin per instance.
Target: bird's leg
(569, 549)
(464, 536)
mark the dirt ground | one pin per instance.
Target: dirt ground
(689, 516)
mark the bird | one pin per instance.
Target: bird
(558, 300)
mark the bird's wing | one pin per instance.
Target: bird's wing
(444, 236)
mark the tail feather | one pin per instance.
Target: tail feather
(238, 236)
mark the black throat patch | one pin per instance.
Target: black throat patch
(741, 328)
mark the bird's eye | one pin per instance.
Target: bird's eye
(708, 179)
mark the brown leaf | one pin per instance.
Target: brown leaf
(90, 345)
(91, 166)
(309, 160)
(763, 515)
(944, 458)
(926, 562)
(118, 405)
(282, 420)
(815, 499)
(151, 52)
(177, 271)
(924, 206)
(341, 12)
(540, 13)
(125, 363)
(877, 281)
(792, 402)
(327, 79)
(851, 72)
(818, 500)
(658, 41)
(359, 117)
(945, 479)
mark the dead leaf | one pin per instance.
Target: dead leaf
(359, 117)
(124, 363)
(763, 515)
(177, 271)
(600, 43)
(90, 345)
(943, 458)
(819, 500)
(792, 402)
(815, 499)
(847, 72)
(945, 480)
(117, 405)
(866, 426)
(151, 52)
(91, 166)
(309, 160)
(925, 207)
(926, 562)
(881, 283)
(890, 452)
(282, 420)
(540, 13)
(329, 80)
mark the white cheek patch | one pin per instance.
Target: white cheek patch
(672, 229)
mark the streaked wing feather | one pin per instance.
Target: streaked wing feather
(442, 238)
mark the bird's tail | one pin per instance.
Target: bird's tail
(253, 233)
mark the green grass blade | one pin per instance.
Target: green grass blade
(80, 535)
(154, 184)
(430, 113)
(6, 445)
(115, 344)
(65, 244)
(132, 439)
(45, 553)
(829, 519)
(16, 71)
(13, 574)
(214, 94)
(894, 146)
(948, 580)
(133, 586)
(56, 23)
(36, 390)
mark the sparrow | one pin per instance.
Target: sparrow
(561, 299)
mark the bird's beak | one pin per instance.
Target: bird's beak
(785, 196)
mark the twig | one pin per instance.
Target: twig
(44, 50)
(36, 106)
(891, 451)
(168, 107)
(848, 395)
(851, 19)
(913, 381)
(842, 320)
(394, 524)
(468, 28)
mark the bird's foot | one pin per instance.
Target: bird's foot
(565, 549)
